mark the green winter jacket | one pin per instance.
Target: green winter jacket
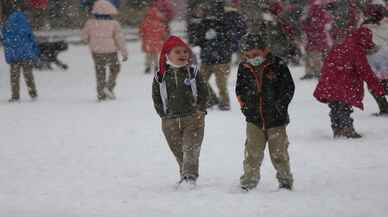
(179, 92)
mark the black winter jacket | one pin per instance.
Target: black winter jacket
(264, 92)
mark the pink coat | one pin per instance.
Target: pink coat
(345, 69)
(104, 35)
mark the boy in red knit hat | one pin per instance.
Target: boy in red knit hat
(180, 95)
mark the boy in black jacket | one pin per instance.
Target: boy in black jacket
(264, 90)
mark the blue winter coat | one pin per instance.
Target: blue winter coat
(19, 42)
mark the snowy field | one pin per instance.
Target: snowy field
(68, 156)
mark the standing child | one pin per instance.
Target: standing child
(341, 84)
(153, 32)
(21, 50)
(180, 97)
(264, 90)
(105, 39)
(378, 60)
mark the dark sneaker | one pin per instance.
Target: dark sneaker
(147, 70)
(381, 114)
(13, 99)
(347, 132)
(34, 98)
(101, 98)
(308, 77)
(286, 186)
(224, 107)
(187, 183)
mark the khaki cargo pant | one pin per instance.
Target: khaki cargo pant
(102, 61)
(313, 63)
(254, 153)
(221, 72)
(184, 137)
(16, 69)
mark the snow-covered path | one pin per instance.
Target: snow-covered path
(68, 156)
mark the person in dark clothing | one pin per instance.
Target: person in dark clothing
(214, 38)
(180, 95)
(264, 90)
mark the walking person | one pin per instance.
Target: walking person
(153, 31)
(180, 95)
(106, 40)
(21, 50)
(341, 84)
(264, 90)
(214, 37)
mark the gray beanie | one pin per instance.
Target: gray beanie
(252, 40)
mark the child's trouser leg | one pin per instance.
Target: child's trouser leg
(114, 68)
(100, 61)
(192, 141)
(206, 72)
(222, 72)
(381, 102)
(15, 70)
(172, 131)
(278, 150)
(253, 155)
(29, 78)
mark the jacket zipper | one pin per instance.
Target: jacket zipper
(259, 82)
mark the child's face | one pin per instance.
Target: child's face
(179, 56)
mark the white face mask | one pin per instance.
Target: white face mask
(255, 61)
(174, 65)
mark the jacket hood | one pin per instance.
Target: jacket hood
(103, 7)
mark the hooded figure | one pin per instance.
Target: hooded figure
(21, 51)
(342, 77)
(106, 40)
(179, 95)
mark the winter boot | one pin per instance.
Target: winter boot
(307, 77)
(347, 132)
(224, 107)
(13, 99)
(286, 186)
(187, 183)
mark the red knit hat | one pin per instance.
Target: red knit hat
(171, 42)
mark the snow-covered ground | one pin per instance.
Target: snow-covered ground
(66, 155)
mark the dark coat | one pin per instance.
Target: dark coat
(218, 48)
(264, 92)
(180, 101)
(237, 26)
(345, 69)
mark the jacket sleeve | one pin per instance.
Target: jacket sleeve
(366, 73)
(203, 92)
(241, 87)
(85, 32)
(120, 40)
(156, 97)
(287, 87)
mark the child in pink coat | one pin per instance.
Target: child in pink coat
(106, 40)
